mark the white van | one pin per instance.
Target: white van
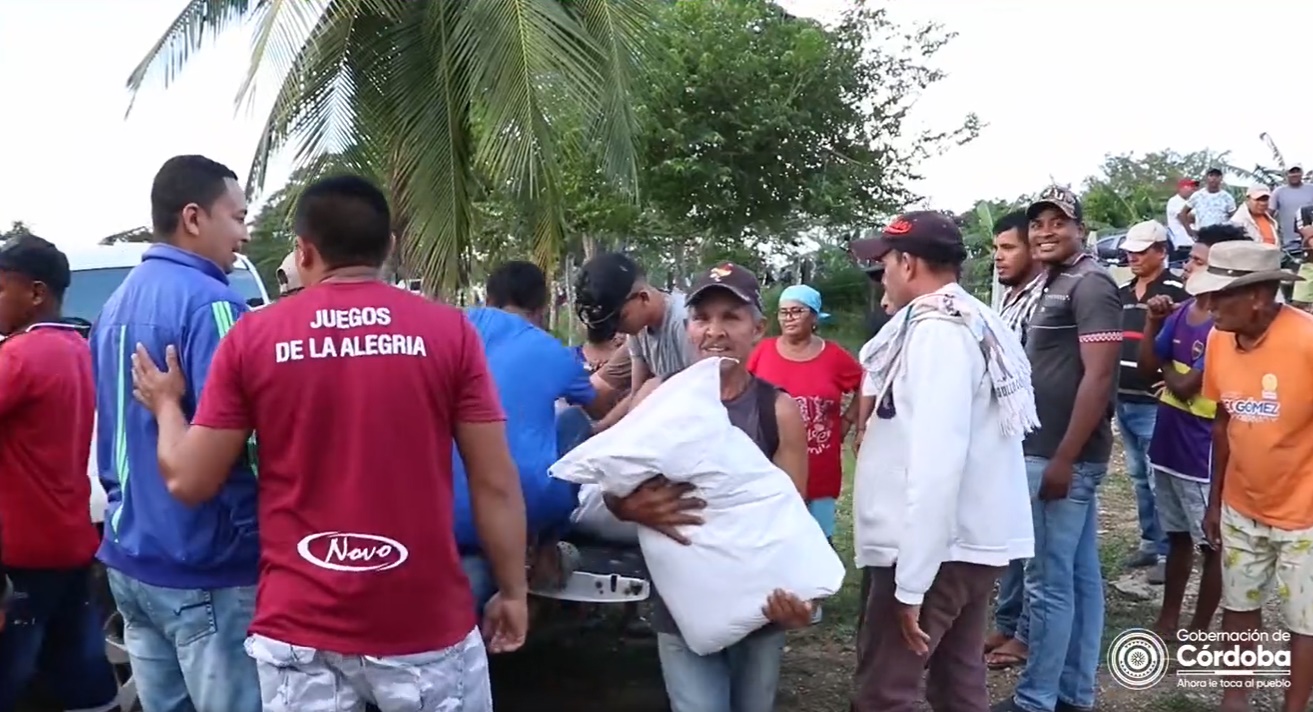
(96, 272)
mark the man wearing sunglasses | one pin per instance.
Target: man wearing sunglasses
(47, 402)
(612, 295)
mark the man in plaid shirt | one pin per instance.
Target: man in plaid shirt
(1024, 277)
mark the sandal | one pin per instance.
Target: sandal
(1003, 660)
(996, 640)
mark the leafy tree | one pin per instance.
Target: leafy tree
(758, 125)
(136, 234)
(1131, 188)
(17, 228)
(437, 99)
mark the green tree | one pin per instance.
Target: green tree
(136, 234)
(1130, 188)
(17, 228)
(439, 100)
(758, 125)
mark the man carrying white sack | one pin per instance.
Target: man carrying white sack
(941, 503)
(726, 321)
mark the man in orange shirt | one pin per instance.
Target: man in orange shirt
(1256, 218)
(1259, 369)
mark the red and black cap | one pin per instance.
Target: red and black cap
(38, 260)
(927, 234)
(737, 280)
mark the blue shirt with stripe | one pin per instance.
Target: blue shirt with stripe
(178, 298)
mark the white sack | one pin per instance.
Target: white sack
(757, 534)
(593, 518)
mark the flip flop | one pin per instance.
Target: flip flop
(1004, 661)
(991, 646)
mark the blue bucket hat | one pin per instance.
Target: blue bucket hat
(805, 296)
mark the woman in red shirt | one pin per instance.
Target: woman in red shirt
(819, 374)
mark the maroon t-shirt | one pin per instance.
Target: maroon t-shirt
(353, 391)
(47, 403)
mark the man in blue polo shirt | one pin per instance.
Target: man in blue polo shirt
(533, 372)
(183, 577)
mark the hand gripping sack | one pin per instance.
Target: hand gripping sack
(757, 534)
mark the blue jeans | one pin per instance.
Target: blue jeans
(1011, 614)
(55, 632)
(740, 678)
(187, 646)
(1064, 588)
(573, 426)
(1135, 420)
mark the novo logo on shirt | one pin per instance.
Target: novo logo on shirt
(352, 552)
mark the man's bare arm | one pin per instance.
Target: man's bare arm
(1221, 453)
(195, 461)
(497, 502)
(791, 456)
(1147, 364)
(1184, 386)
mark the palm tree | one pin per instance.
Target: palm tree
(441, 101)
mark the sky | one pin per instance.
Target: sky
(1058, 85)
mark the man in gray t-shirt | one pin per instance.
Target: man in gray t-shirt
(1287, 200)
(612, 295)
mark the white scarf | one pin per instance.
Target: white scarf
(1005, 359)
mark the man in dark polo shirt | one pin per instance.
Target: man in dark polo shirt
(1074, 341)
(1146, 246)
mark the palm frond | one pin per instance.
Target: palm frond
(199, 20)
(620, 29)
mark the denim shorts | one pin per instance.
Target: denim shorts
(53, 631)
(1181, 504)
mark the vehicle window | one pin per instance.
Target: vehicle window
(89, 289)
(247, 286)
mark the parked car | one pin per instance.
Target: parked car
(96, 272)
(1108, 249)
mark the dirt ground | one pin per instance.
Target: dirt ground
(604, 672)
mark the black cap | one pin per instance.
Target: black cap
(1055, 196)
(926, 234)
(603, 286)
(38, 260)
(739, 281)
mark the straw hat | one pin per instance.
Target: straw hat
(1237, 264)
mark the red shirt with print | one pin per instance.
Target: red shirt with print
(353, 390)
(818, 385)
(47, 404)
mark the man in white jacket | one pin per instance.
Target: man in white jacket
(941, 503)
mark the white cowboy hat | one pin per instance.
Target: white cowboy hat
(1240, 263)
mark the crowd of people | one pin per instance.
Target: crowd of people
(343, 498)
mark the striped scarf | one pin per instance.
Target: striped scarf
(1018, 306)
(1005, 358)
